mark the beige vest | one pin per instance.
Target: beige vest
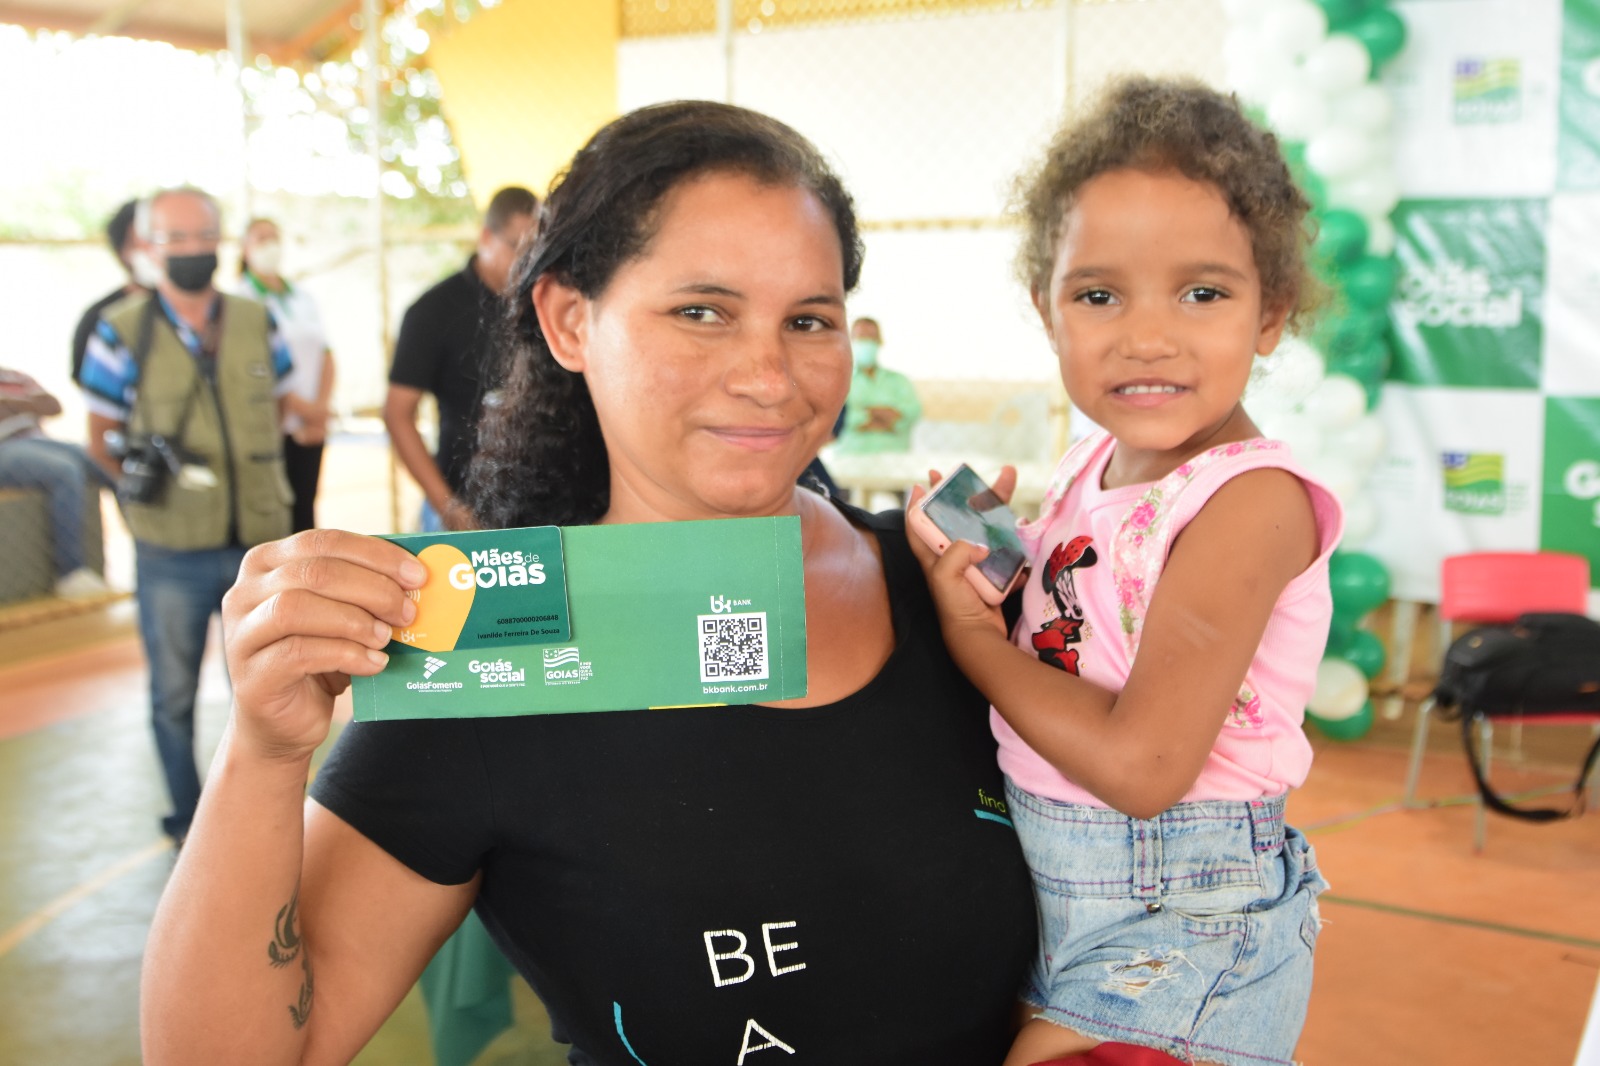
(232, 430)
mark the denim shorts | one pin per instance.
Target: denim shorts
(1191, 933)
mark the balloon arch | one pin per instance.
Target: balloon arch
(1308, 69)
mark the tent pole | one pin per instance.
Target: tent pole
(237, 46)
(725, 38)
(371, 43)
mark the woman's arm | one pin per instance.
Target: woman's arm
(285, 936)
(1141, 750)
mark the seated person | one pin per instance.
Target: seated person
(62, 471)
(882, 406)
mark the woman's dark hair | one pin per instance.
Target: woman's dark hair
(541, 459)
(1146, 124)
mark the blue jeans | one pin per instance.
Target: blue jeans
(178, 592)
(1191, 933)
(63, 472)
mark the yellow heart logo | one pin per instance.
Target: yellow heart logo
(442, 606)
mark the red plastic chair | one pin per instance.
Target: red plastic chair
(1484, 588)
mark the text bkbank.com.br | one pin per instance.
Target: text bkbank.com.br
(711, 690)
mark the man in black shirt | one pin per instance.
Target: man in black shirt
(142, 275)
(445, 338)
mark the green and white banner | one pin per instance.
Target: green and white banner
(1493, 407)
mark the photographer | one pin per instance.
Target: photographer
(185, 390)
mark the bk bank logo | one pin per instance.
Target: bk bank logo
(1474, 482)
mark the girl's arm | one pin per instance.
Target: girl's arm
(284, 936)
(1141, 750)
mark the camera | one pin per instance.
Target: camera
(148, 459)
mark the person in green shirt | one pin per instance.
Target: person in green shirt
(883, 405)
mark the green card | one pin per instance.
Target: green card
(485, 589)
(667, 614)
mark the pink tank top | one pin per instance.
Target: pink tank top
(1097, 554)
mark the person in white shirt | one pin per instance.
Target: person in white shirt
(308, 405)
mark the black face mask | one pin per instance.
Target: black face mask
(192, 273)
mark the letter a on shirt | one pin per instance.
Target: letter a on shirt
(751, 1026)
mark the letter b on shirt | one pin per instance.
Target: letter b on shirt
(732, 965)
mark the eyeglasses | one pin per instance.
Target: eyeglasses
(205, 236)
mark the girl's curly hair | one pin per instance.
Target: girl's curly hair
(1149, 124)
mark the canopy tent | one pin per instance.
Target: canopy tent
(287, 31)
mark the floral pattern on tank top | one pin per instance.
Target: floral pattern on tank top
(1143, 538)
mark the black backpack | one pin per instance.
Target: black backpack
(1541, 664)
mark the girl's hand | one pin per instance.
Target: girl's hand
(961, 610)
(306, 614)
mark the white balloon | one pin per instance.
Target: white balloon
(1371, 192)
(1338, 152)
(1239, 10)
(1367, 107)
(1341, 690)
(1263, 75)
(1294, 27)
(1338, 401)
(1300, 432)
(1338, 64)
(1336, 472)
(1361, 442)
(1380, 236)
(1360, 520)
(1240, 45)
(1278, 382)
(1297, 112)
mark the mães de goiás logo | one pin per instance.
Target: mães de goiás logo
(493, 568)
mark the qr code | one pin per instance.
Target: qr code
(733, 647)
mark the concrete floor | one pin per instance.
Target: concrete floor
(1431, 954)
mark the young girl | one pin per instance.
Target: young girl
(1148, 702)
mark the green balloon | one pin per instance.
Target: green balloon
(1356, 330)
(1341, 632)
(1360, 584)
(1342, 11)
(1342, 237)
(1309, 181)
(1355, 727)
(1381, 31)
(1366, 653)
(1369, 365)
(1369, 282)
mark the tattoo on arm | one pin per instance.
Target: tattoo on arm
(301, 1012)
(287, 946)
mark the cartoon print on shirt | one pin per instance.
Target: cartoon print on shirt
(1050, 642)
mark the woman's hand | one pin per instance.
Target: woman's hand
(306, 614)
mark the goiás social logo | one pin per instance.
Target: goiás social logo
(498, 673)
(494, 568)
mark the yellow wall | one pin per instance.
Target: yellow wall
(525, 84)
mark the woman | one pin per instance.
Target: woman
(308, 403)
(829, 877)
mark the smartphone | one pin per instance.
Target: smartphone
(964, 507)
